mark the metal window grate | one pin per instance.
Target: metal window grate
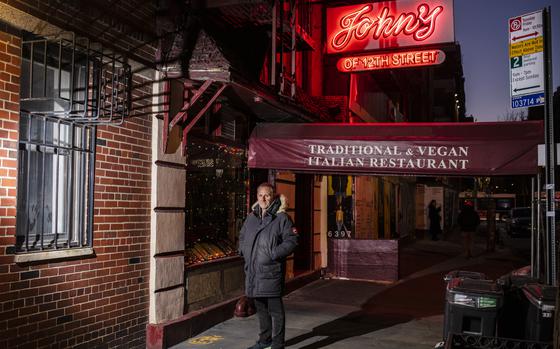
(55, 184)
(71, 77)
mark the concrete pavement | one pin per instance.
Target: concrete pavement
(355, 314)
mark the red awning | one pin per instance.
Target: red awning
(480, 149)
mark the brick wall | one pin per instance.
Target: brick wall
(12, 282)
(96, 302)
(338, 106)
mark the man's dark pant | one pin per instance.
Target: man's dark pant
(272, 321)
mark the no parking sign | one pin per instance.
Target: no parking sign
(526, 55)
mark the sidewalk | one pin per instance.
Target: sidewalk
(345, 314)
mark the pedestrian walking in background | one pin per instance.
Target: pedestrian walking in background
(491, 228)
(468, 222)
(435, 219)
(266, 239)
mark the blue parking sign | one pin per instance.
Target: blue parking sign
(527, 100)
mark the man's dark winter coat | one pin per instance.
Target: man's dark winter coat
(265, 243)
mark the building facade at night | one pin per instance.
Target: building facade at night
(123, 151)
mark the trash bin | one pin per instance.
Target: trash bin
(511, 323)
(523, 271)
(472, 306)
(539, 324)
(516, 278)
(464, 275)
(447, 278)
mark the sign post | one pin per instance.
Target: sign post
(526, 60)
(550, 153)
(530, 51)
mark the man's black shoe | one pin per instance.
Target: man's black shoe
(260, 345)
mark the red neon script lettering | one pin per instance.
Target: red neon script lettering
(428, 20)
(353, 24)
(358, 25)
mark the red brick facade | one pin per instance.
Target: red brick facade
(98, 301)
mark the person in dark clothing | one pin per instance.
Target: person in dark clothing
(435, 218)
(468, 222)
(265, 240)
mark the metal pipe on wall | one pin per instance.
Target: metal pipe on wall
(293, 22)
(273, 44)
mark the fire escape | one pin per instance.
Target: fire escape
(289, 26)
(286, 24)
(81, 82)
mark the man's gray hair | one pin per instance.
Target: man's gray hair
(266, 185)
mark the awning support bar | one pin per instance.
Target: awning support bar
(181, 118)
(182, 114)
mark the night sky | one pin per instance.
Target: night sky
(481, 27)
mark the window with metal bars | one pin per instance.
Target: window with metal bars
(55, 168)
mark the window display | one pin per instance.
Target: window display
(216, 200)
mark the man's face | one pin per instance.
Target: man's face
(264, 197)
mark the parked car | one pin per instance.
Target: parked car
(519, 222)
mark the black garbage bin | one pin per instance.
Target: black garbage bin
(447, 278)
(472, 306)
(539, 324)
(464, 274)
(511, 323)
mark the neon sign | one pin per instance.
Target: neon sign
(389, 24)
(407, 59)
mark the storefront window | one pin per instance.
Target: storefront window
(375, 208)
(362, 207)
(340, 215)
(216, 199)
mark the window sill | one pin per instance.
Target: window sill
(51, 255)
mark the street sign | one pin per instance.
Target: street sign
(526, 60)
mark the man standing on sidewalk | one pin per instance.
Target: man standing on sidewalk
(266, 239)
(468, 221)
